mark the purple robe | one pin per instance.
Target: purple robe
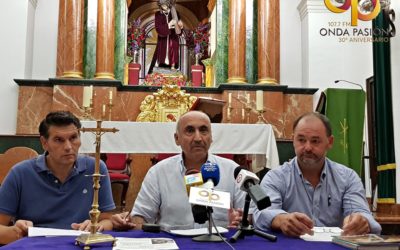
(165, 36)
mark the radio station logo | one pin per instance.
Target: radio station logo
(356, 14)
(365, 10)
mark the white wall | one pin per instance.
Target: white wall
(326, 58)
(45, 42)
(13, 45)
(290, 44)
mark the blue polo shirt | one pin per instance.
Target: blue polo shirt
(31, 192)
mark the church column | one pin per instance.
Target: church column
(268, 41)
(105, 40)
(70, 39)
(222, 44)
(237, 42)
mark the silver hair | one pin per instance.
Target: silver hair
(161, 2)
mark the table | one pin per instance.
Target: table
(158, 137)
(249, 242)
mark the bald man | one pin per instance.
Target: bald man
(312, 190)
(163, 198)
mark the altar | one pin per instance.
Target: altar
(157, 137)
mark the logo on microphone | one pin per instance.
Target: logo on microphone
(239, 178)
(355, 13)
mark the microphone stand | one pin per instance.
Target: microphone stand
(208, 237)
(246, 229)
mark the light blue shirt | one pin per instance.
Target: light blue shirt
(163, 198)
(339, 193)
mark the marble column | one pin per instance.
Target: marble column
(89, 53)
(237, 42)
(251, 41)
(268, 41)
(70, 40)
(60, 38)
(120, 38)
(221, 62)
(105, 40)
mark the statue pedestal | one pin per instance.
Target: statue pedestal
(134, 69)
(197, 75)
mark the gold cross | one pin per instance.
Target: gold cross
(98, 131)
(343, 141)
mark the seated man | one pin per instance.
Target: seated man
(54, 189)
(163, 198)
(312, 190)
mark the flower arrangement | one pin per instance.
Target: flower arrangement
(198, 39)
(136, 37)
(157, 79)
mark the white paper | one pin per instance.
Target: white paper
(42, 231)
(198, 231)
(144, 243)
(322, 234)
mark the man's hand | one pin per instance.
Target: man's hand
(355, 224)
(123, 221)
(171, 24)
(293, 224)
(23, 225)
(85, 226)
(180, 24)
(235, 217)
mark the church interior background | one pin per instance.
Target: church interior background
(246, 57)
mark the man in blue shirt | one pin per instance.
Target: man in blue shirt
(312, 190)
(55, 189)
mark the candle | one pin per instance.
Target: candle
(229, 99)
(243, 114)
(104, 111)
(110, 96)
(86, 97)
(248, 98)
(91, 91)
(259, 100)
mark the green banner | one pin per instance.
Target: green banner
(384, 136)
(345, 109)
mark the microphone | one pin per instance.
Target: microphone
(192, 178)
(248, 182)
(357, 84)
(210, 174)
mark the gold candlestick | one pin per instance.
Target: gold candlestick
(87, 111)
(94, 214)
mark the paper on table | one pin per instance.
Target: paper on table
(144, 243)
(42, 231)
(197, 231)
(322, 234)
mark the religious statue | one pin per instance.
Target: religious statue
(168, 27)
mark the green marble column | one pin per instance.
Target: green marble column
(89, 49)
(251, 41)
(120, 37)
(221, 64)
